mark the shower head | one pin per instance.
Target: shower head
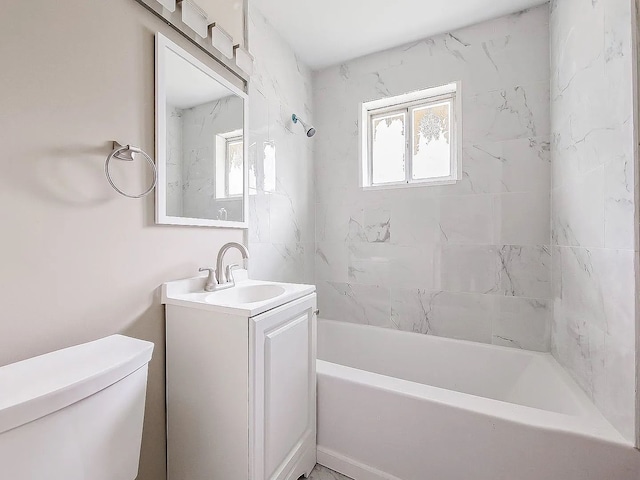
(307, 128)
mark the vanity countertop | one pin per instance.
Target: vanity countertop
(243, 299)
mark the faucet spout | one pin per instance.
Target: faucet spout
(222, 277)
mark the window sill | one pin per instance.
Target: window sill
(390, 186)
(229, 199)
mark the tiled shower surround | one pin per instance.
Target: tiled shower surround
(474, 260)
(593, 201)
(281, 230)
(471, 260)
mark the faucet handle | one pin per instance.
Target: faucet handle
(211, 279)
(229, 272)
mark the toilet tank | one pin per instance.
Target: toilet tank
(75, 414)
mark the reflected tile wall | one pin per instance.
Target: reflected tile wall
(174, 161)
(281, 209)
(191, 172)
(593, 329)
(200, 125)
(471, 260)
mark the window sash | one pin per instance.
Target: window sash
(452, 139)
(407, 109)
(372, 118)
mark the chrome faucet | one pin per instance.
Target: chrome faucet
(218, 278)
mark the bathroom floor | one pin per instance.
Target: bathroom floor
(323, 473)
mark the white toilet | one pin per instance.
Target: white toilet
(75, 414)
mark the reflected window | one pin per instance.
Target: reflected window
(234, 172)
(262, 167)
(229, 164)
(269, 154)
(253, 169)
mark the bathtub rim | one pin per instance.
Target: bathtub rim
(589, 422)
(438, 338)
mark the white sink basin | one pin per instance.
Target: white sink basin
(247, 298)
(245, 294)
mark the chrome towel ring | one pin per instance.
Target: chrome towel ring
(126, 152)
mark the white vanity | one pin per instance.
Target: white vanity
(241, 382)
(241, 373)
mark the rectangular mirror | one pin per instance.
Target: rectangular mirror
(201, 125)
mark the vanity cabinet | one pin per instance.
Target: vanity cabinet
(241, 392)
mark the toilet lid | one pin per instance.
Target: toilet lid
(38, 386)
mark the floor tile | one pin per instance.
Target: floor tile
(323, 473)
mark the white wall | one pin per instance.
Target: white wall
(593, 205)
(78, 261)
(281, 233)
(470, 260)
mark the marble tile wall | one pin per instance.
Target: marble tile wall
(471, 260)
(281, 212)
(593, 202)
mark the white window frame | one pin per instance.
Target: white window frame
(407, 103)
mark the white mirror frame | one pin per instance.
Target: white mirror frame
(162, 44)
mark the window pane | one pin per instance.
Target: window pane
(431, 141)
(388, 148)
(235, 168)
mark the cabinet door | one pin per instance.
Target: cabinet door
(282, 396)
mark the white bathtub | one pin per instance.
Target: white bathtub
(397, 405)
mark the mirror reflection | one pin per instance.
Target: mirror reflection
(204, 141)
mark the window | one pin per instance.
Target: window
(229, 164)
(411, 139)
